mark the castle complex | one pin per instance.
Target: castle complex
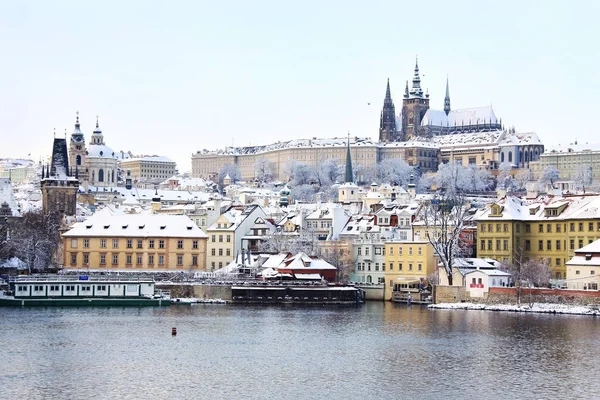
(419, 135)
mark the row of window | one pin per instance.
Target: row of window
(56, 288)
(410, 251)
(213, 238)
(129, 243)
(139, 259)
(361, 266)
(213, 252)
(558, 245)
(547, 228)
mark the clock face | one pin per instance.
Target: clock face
(78, 138)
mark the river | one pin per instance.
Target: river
(376, 351)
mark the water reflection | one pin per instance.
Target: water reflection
(379, 350)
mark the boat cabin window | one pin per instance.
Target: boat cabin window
(86, 288)
(21, 288)
(101, 287)
(39, 288)
(70, 288)
(54, 288)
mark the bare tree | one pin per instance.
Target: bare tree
(340, 257)
(444, 218)
(537, 274)
(35, 239)
(515, 267)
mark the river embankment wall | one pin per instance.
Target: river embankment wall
(505, 295)
(198, 291)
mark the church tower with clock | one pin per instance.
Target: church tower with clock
(77, 151)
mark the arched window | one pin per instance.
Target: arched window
(369, 279)
(501, 157)
(100, 175)
(78, 160)
(113, 176)
(510, 156)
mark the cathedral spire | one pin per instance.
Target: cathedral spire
(388, 95)
(387, 121)
(447, 98)
(406, 91)
(349, 173)
(416, 82)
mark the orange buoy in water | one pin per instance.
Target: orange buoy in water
(173, 331)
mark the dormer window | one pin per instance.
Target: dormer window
(106, 226)
(163, 226)
(588, 257)
(141, 226)
(125, 226)
(496, 210)
(88, 226)
(534, 210)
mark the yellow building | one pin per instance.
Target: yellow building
(226, 234)
(135, 242)
(407, 261)
(548, 228)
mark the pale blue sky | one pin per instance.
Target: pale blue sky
(170, 78)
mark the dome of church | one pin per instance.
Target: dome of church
(100, 151)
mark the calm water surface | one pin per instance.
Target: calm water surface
(377, 351)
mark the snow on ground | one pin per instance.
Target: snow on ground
(537, 308)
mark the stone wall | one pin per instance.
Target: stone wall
(374, 292)
(186, 290)
(557, 296)
(450, 294)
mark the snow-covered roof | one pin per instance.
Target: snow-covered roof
(573, 207)
(465, 116)
(100, 151)
(469, 139)
(573, 147)
(302, 261)
(520, 138)
(148, 194)
(106, 224)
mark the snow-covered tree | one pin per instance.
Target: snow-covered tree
(583, 177)
(505, 179)
(522, 177)
(233, 171)
(264, 170)
(327, 172)
(299, 173)
(394, 171)
(549, 177)
(303, 192)
(454, 178)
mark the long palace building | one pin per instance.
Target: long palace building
(418, 134)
